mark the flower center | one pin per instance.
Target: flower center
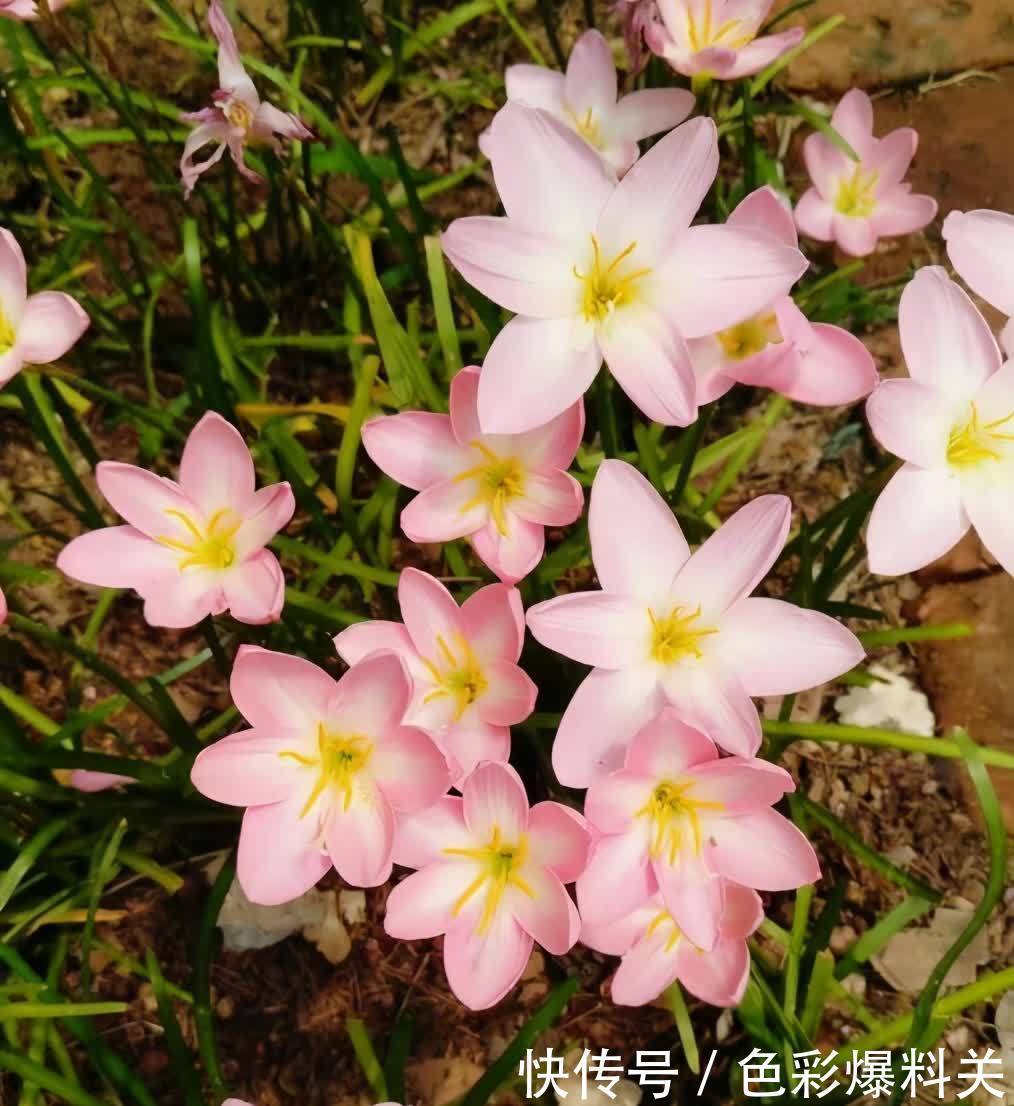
(747, 338)
(239, 114)
(209, 547)
(587, 127)
(976, 442)
(499, 864)
(500, 479)
(459, 677)
(7, 334)
(702, 32)
(606, 287)
(664, 920)
(674, 636)
(340, 758)
(857, 193)
(671, 813)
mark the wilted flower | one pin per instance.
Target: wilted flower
(240, 118)
(779, 348)
(491, 878)
(671, 627)
(717, 38)
(195, 547)
(585, 101)
(34, 330)
(679, 820)
(952, 424)
(468, 688)
(325, 772)
(854, 203)
(980, 245)
(83, 779)
(500, 491)
(600, 270)
(637, 17)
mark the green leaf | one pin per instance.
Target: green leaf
(443, 309)
(367, 1057)
(181, 1058)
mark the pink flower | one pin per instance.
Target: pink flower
(717, 38)
(671, 627)
(195, 547)
(34, 330)
(980, 245)
(491, 878)
(499, 491)
(656, 953)
(239, 118)
(855, 203)
(3, 607)
(779, 348)
(27, 10)
(325, 773)
(600, 270)
(952, 424)
(638, 17)
(468, 688)
(585, 101)
(678, 820)
(82, 779)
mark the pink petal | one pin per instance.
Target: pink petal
(714, 701)
(616, 938)
(13, 278)
(510, 696)
(605, 712)
(364, 638)
(493, 621)
(421, 838)
(422, 905)
(182, 601)
(533, 372)
(853, 120)
(444, 511)
(618, 878)
(655, 202)
(739, 785)
(856, 236)
(548, 915)
(764, 210)
(514, 554)
(551, 498)
(718, 276)
(719, 976)
(912, 420)
(279, 693)
(482, 968)
(464, 404)
(553, 445)
(762, 850)
(429, 611)
(900, 211)
(917, 518)
(814, 215)
(694, 896)
(590, 82)
(416, 448)
(360, 838)
(535, 86)
(468, 743)
(191, 170)
(637, 545)
(232, 77)
(372, 697)
(734, 560)
(284, 123)
(269, 510)
(216, 469)
(529, 185)
(255, 589)
(246, 769)
(826, 165)
(891, 157)
(52, 322)
(593, 627)
(988, 506)
(117, 557)
(11, 363)
(559, 839)
(947, 344)
(409, 769)
(279, 855)
(648, 111)
(668, 747)
(744, 911)
(494, 796)
(148, 502)
(980, 245)
(647, 970)
(651, 362)
(613, 802)
(526, 270)
(756, 55)
(82, 779)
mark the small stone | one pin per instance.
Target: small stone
(536, 966)
(352, 906)
(225, 1007)
(842, 937)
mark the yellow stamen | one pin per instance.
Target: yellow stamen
(674, 636)
(733, 33)
(747, 338)
(606, 287)
(239, 114)
(857, 194)
(671, 811)
(500, 862)
(340, 758)
(460, 677)
(211, 546)
(662, 918)
(7, 334)
(974, 442)
(587, 127)
(499, 480)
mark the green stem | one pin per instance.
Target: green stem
(684, 1025)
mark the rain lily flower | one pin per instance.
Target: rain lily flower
(656, 953)
(25, 10)
(952, 423)
(585, 101)
(679, 820)
(491, 878)
(717, 38)
(637, 17)
(855, 203)
(499, 491)
(34, 330)
(82, 779)
(779, 348)
(468, 688)
(239, 118)
(671, 627)
(325, 773)
(600, 270)
(192, 548)
(980, 245)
